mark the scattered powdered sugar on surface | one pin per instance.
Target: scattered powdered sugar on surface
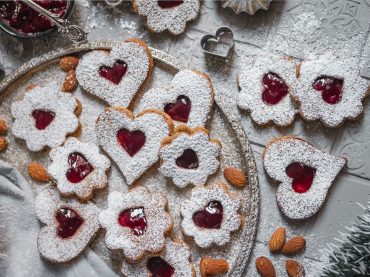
(49, 98)
(51, 246)
(250, 96)
(206, 150)
(172, 19)
(200, 197)
(194, 85)
(279, 154)
(97, 178)
(176, 254)
(158, 221)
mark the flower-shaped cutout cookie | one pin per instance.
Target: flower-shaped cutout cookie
(70, 226)
(116, 76)
(210, 215)
(174, 261)
(189, 156)
(167, 15)
(44, 117)
(78, 168)
(304, 172)
(136, 222)
(265, 90)
(330, 90)
(189, 99)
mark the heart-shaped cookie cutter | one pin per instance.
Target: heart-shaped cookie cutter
(217, 39)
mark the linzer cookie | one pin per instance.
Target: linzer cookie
(189, 99)
(133, 143)
(136, 222)
(44, 117)
(304, 172)
(116, 76)
(189, 156)
(265, 90)
(210, 215)
(167, 15)
(78, 168)
(70, 226)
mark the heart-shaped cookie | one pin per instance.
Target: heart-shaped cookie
(133, 143)
(305, 174)
(188, 101)
(116, 76)
(70, 226)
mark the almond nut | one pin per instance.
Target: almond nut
(265, 267)
(3, 127)
(68, 63)
(78, 109)
(70, 81)
(38, 172)
(235, 176)
(294, 269)
(3, 143)
(209, 266)
(277, 240)
(294, 245)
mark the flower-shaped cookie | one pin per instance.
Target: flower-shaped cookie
(116, 76)
(167, 15)
(330, 90)
(136, 222)
(265, 90)
(210, 215)
(44, 117)
(174, 262)
(304, 172)
(78, 168)
(70, 226)
(189, 156)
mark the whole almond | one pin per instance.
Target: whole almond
(277, 240)
(3, 143)
(70, 81)
(209, 266)
(265, 267)
(3, 127)
(294, 269)
(235, 176)
(78, 109)
(294, 245)
(38, 172)
(68, 63)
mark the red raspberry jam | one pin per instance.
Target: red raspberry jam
(79, 168)
(188, 159)
(210, 217)
(114, 73)
(331, 89)
(179, 110)
(68, 222)
(167, 4)
(134, 219)
(159, 267)
(131, 141)
(43, 118)
(274, 89)
(302, 176)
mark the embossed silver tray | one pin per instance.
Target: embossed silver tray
(223, 125)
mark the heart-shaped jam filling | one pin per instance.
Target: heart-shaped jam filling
(302, 176)
(79, 168)
(210, 217)
(43, 118)
(179, 110)
(167, 4)
(159, 267)
(114, 73)
(331, 88)
(274, 89)
(188, 159)
(134, 219)
(131, 141)
(68, 222)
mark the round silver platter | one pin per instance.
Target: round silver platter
(223, 125)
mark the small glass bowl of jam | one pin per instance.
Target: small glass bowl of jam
(18, 19)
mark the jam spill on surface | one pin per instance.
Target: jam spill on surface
(134, 219)
(331, 89)
(274, 89)
(43, 118)
(79, 167)
(167, 4)
(179, 110)
(114, 73)
(302, 176)
(188, 159)
(159, 267)
(131, 141)
(68, 222)
(210, 217)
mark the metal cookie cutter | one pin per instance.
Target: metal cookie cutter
(219, 45)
